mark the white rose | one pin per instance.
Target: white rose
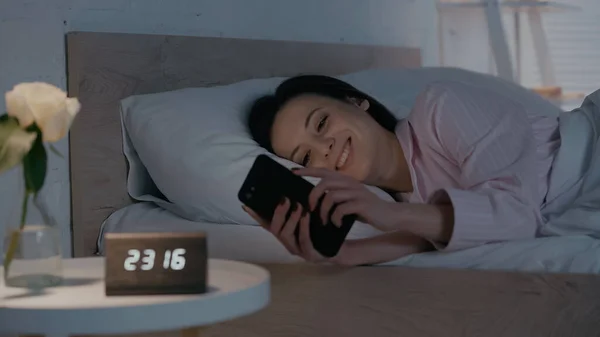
(45, 105)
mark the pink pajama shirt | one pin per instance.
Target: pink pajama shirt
(485, 152)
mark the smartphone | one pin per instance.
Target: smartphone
(268, 182)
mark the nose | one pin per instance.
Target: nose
(329, 143)
(322, 150)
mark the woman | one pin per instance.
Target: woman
(471, 165)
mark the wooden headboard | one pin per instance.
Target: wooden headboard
(104, 68)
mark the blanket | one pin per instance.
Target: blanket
(573, 200)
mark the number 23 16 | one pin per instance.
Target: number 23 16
(174, 260)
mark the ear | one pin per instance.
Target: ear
(364, 104)
(361, 103)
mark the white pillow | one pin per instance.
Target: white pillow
(189, 150)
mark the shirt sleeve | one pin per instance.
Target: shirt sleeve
(489, 138)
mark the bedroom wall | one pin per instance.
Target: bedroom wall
(32, 47)
(573, 38)
(574, 42)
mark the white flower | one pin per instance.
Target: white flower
(45, 105)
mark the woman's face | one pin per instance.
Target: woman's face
(318, 131)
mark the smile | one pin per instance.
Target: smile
(344, 155)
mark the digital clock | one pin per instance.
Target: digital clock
(155, 263)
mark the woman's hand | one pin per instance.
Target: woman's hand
(284, 230)
(351, 197)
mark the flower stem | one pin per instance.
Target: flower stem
(24, 210)
(14, 235)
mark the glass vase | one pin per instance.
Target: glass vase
(36, 257)
(32, 252)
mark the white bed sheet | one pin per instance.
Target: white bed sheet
(225, 241)
(573, 254)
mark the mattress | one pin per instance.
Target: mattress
(569, 254)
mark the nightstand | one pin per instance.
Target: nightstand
(79, 306)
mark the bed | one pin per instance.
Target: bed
(104, 68)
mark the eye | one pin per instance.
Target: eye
(306, 159)
(322, 123)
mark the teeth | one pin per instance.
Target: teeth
(343, 157)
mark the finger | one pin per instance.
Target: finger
(256, 217)
(333, 198)
(325, 186)
(306, 247)
(279, 217)
(287, 235)
(344, 209)
(313, 172)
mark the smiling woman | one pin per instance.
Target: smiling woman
(471, 164)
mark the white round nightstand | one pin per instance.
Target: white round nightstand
(79, 306)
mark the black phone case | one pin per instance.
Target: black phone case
(266, 185)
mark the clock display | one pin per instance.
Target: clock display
(174, 260)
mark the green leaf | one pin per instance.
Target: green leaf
(35, 165)
(14, 142)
